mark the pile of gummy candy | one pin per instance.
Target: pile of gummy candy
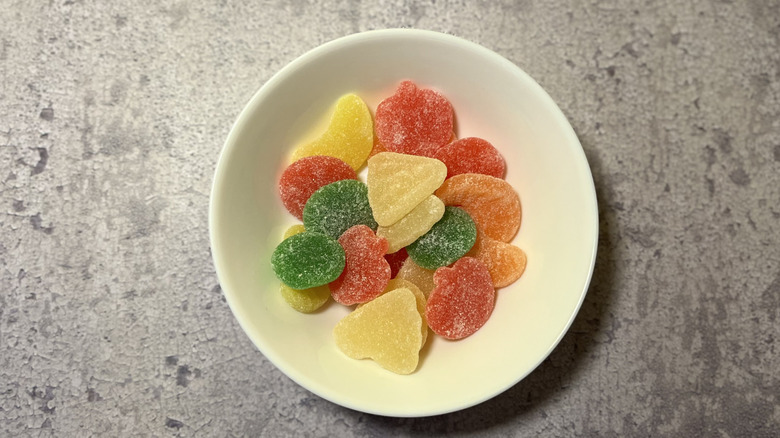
(422, 243)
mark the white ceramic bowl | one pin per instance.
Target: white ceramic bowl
(493, 99)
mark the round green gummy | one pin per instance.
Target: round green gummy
(447, 241)
(308, 260)
(338, 206)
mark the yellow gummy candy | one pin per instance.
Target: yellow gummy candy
(349, 136)
(397, 183)
(416, 223)
(421, 277)
(386, 329)
(400, 283)
(306, 300)
(293, 230)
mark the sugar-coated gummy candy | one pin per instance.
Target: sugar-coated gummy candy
(397, 183)
(398, 283)
(366, 271)
(472, 155)
(305, 176)
(308, 260)
(293, 230)
(421, 277)
(387, 329)
(334, 208)
(349, 136)
(378, 147)
(306, 300)
(447, 241)
(414, 121)
(462, 300)
(416, 223)
(396, 260)
(505, 262)
(492, 203)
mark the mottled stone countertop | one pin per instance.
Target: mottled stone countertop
(112, 116)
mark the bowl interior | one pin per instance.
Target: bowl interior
(493, 99)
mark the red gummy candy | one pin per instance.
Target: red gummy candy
(414, 121)
(366, 272)
(396, 260)
(462, 300)
(308, 174)
(472, 155)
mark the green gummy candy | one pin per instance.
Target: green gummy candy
(308, 260)
(447, 241)
(338, 206)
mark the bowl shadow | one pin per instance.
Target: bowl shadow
(529, 397)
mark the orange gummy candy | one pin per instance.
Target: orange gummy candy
(492, 203)
(505, 262)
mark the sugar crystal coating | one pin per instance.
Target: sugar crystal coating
(308, 260)
(414, 121)
(505, 262)
(305, 176)
(462, 300)
(399, 283)
(306, 300)
(334, 208)
(421, 277)
(492, 203)
(386, 329)
(349, 136)
(397, 183)
(416, 223)
(366, 271)
(472, 155)
(447, 241)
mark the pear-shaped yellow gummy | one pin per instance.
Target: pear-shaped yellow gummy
(386, 329)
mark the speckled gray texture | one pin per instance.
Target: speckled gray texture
(112, 116)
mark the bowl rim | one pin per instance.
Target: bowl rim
(249, 109)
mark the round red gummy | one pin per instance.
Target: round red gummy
(462, 299)
(366, 272)
(306, 176)
(414, 121)
(472, 155)
(396, 260)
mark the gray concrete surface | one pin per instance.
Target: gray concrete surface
(112, 115)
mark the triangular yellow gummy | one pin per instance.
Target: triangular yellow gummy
(349, 136)
(397, 183)
(416, 223)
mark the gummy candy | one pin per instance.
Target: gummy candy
(472, 155)
(349, 136)
(308, 174)
(387, 330)
(416, 223)
(334, 208)
(306, 300)
(462, 300)
(308, 260)
(293, 230)
(421, 277)
(378, 147)
(414, 121)
(366, 272)
(492, 203)
(447, 241)
(399, 283)
(396, 260)
(397, 183)
(505, 262)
